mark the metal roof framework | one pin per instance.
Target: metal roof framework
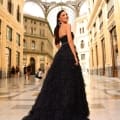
(48, 6)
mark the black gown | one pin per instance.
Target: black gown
(62, 96)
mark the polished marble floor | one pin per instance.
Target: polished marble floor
(17, 97)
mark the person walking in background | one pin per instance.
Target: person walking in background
(25, 72)
(28, 72)
(63, 95)
(17, 70)
(12, 72)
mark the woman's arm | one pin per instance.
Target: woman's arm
(71, 43)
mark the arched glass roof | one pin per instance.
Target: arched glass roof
(49, 9)
(33, 9)
(57, 1)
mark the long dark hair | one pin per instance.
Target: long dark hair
(56, 30)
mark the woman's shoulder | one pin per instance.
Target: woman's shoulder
(67, 25)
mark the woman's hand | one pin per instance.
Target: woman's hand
(76, 61)
(58, 46)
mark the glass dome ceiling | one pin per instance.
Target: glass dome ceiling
(48, 5)
(57, 1)
(49, 8)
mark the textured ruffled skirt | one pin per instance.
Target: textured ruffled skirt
(62, 96)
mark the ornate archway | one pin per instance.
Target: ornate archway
(48, 6)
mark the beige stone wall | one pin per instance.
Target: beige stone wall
(100, 29)
(37, 30)
(117, 17)
(10, 19)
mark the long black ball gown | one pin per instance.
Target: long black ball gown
(62, 96)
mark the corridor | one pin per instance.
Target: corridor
(19, 95)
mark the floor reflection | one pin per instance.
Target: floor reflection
(18, 96)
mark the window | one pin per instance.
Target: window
(9, 33)
(33, 45)
(25, 19)
(80, 31)
(42, 58)
(114, 49)
(24, 60)
(25, 28)
(103, 52)
(9, 5)
(1, 1)
(42, 46)
(95, 31)
(82, 44)
(24, 43)
(83, 30)
(100, 20)
(110, 7)
(43, 33)
(31, 30)
(0, 27)
(91, 40)
(17, 58)
(34, 30)
(92, 57)
(82, 56)
(18, 13)
(40, 32)
(114, 42)
(8, 57)
(96, 48)
(18, 39)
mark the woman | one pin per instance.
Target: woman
(62, 96)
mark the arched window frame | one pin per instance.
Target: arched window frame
(82, 45)
(9, 6)
(33, 44)
(42, 46)
(24, 43)
(18, 13)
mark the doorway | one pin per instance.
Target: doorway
(32, 63)
(114, 46)
(103, 55)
